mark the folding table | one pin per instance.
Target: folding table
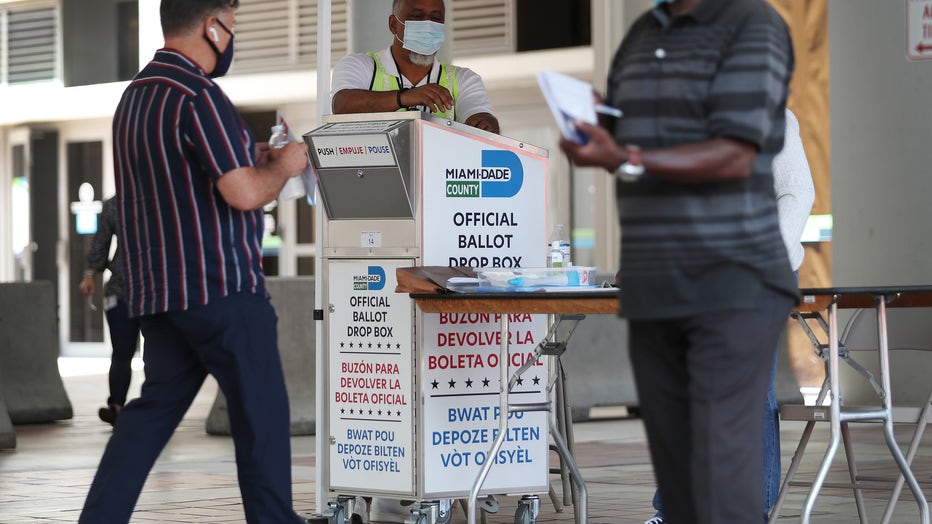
(571, 306)
(821, 305)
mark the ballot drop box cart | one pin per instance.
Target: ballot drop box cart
(412, 399)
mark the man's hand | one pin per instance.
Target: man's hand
(484, 121)
(709, 161)
(248, 188)
(600, 151)
(292, 159)
(87, 285)
(262, 154)
(433, 96)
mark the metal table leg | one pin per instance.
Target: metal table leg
(888, 407)
(839, 418)
(502, 423)
(545, 348)
(924, 419)
(835, 423)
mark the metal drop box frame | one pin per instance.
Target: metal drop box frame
(370, 170)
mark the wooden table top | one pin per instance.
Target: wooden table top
(605, 301)
(595, 302)
(818, 299)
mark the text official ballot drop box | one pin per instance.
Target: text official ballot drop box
(412, 398)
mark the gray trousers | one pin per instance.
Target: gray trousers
(701, 381)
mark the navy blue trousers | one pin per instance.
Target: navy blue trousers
(124, 337)
(235, 340)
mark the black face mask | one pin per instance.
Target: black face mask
(225, 58)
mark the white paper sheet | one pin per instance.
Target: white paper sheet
(569, 99)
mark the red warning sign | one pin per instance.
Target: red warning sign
(919, 29)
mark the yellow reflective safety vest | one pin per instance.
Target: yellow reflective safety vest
(382, 81)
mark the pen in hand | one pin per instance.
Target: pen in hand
(608, 110)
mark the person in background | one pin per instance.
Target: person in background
(795, 193)
(124, 330)
(408, 75)
(706, 283)
(191, 183)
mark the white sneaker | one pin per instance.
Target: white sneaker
(654, 520)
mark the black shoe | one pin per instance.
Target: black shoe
(108, 414)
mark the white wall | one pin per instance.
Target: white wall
(150, 30)
(881, 144)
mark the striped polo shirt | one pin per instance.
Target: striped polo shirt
(720, 71)
(175, 133)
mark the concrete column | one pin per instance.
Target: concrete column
(7, 434)
(368, 30)
(880, 181)
(879, 151)
(30, 383)
(610, 20)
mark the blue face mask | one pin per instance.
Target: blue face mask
(423, 36)
(224, 59)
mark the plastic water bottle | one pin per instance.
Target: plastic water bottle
(559, 241)
(554, 255)
(279, 138)
(294, 187)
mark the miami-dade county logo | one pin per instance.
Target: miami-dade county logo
(501, 176)
(374, 281)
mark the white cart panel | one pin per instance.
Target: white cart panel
(371, 409)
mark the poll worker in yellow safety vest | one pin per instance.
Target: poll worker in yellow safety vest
(408, 76)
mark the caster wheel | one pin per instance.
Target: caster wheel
(528, 508)
(445, 512)
(334, 514)
(523, 515)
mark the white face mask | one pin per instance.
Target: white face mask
(423, 36)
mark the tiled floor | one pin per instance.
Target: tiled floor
(46, 477)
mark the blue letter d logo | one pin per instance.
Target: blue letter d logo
(507, 159)
(379, 272)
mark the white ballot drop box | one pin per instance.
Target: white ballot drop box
(412, 404)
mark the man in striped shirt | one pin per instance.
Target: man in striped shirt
(191, 184)
(706, 284)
